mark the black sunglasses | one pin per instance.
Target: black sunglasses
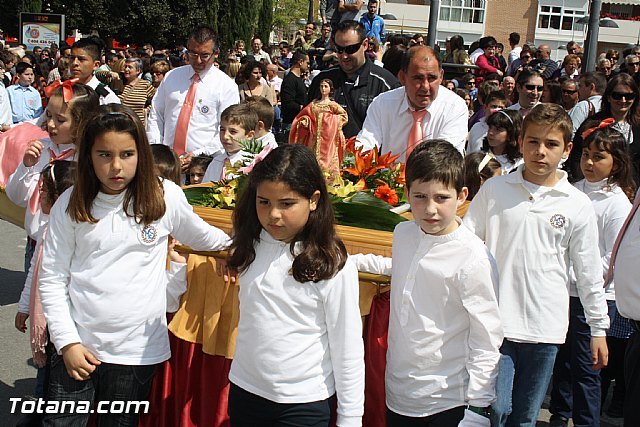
(569, 92)
(629, 96)
(532, 87)
(471, 83)
(349, 50)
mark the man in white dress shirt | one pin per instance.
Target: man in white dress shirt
(215, 92)
(390, 116)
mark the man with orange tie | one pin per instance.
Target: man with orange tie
(399, 119)
(185, 112)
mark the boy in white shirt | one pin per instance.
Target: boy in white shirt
(237, 123)
(266, 115)
(535, 223)
(444, 323)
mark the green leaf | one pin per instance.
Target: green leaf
(367, 198)
(196, 195)
(366, 216)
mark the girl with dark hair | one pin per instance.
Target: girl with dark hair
(103, 280)
(608, 182)
(254, 74)
(502, 139)
(319, 127)
(300, 334)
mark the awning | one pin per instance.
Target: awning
(633, 2)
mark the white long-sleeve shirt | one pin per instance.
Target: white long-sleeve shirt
(299, 342)
(444, 324)
(389, 121)
(534, 236)
(611, 206)
(24, 182)
(215, 92)
(627, 270)
(103, 284)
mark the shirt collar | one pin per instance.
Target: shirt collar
(561, 186)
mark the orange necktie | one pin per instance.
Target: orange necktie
(415, 135)
(616, 245)
(34, 201)
(180, 140)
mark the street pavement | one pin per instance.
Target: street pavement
(17, 373)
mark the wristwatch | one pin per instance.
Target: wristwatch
(485, 412)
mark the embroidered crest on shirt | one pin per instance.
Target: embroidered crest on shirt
(149, 234)
(557, 221)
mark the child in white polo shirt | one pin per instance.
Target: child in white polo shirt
(536, 224)
(444, 324)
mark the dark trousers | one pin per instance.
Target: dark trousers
(109, 382)
(615, 368)
(249, 410)
(632, 383)
(449, 418)
(576, 385)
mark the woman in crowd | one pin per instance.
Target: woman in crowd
(137, 92)
(254, 84)
(620, 104)
(158, 70)
(570, 68)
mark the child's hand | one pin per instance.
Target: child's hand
(223, 270)
(33, 153)
(79, 361)
(175, 256)
(21, 322)
(599, 352)
(185, 162)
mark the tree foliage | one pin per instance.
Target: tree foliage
(265, 19)
(160, 21)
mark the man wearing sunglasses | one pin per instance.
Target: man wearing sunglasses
(399, 119)
(529, 87)
(357, 80)
(185, 112)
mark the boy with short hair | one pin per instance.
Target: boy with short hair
(266, 115)
(83, 62)
(237, 122)
(444, 322)
(198, 167)
(25, 100)
(496, 100)
(536, 224)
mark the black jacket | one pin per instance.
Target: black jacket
(292, 96)
(356, 95)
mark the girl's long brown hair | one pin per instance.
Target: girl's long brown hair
(323, 254)
(144, 198)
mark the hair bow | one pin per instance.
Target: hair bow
(603, 124)
(67, 89)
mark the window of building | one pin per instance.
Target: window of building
(471, 11)
(558, 18)
(621, 10)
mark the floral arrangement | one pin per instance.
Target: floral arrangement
(370, 185)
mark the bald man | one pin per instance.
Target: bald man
(390, 117)
(543, 62)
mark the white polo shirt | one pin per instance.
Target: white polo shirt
(534, 235)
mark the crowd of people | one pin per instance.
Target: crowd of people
(525, 154)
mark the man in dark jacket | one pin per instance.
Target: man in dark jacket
(356, 80)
